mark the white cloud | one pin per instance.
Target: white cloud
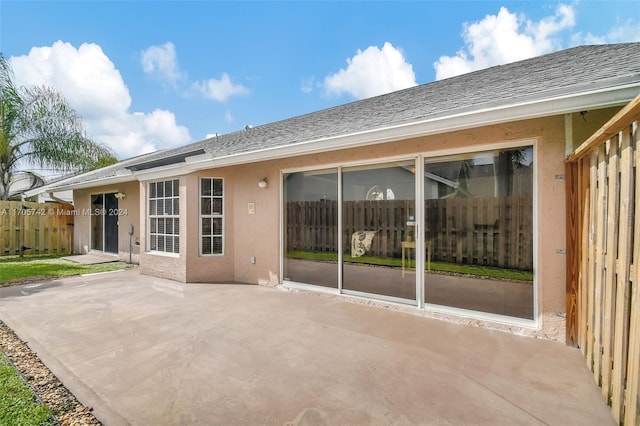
(624, 32)
(162, 61)
(306, 85)
(372, 72)
(228, 117)
(219, 89)
(95, 88)
(503, 38)
(621, 32)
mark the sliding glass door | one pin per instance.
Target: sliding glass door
(378, 224)
(311, 227)
(104, 222)
(478, 232)
(355, 230)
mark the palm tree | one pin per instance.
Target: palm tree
(39, 128)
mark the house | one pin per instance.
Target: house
(448, 197)
(21, 182)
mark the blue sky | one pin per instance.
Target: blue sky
(149, 75)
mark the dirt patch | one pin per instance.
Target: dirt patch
(32, 280)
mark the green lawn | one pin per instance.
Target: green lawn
(475, 270)
(18, 405)
(15, 267)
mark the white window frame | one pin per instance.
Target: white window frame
(175, 216)
(212, 215)
(420, 157)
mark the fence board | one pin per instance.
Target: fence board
(44, 228)
(611, 253)
(607, 319)
(624, 247)
(601, 204)
(632, 394)
(584, 265)
(572, 193)
(463, 230)
(591, 259)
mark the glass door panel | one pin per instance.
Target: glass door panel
(97, 222)
(478, 232)
(378, 218)
(104, 222)
(311, 227)
(111, 223)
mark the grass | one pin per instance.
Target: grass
(474, 270)
(18, 405)
(16, 268)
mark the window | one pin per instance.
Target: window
(478, 219)
(164, 216)
(474, 214)
(211, 216)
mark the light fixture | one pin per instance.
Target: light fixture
(120, 195)
(262, 183)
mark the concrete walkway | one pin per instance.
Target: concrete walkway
(149, 351)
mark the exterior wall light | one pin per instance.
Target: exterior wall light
(262, 183)
(120, 195)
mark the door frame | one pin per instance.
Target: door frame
(420, 250)
(113, 223)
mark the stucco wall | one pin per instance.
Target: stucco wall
(210, 268)
(129, 206)
(171, 266)
(257, 236)
(586, 124)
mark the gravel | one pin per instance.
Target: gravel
(66, 407)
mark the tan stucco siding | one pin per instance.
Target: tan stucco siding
(256, 236)
(130, 214)
(209, 268)
(586, 124)
(259, 235)
(171, 266)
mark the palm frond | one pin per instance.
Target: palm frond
(39, 127)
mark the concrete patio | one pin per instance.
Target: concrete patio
(143, 350)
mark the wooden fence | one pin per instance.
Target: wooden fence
(481, 231)
(603, 266)
(39, 228)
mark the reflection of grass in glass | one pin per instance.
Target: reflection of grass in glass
(475, 270)
(483, 271)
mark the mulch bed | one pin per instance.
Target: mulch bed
(65, 406)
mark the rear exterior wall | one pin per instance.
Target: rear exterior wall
(252, 239)
(257, 236)
(128, 245)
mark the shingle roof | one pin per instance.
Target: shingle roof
(572, 71)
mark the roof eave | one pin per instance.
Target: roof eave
(597, 98)
(118, 178)
(600, 97)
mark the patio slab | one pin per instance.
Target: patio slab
(144, 350)
(91, 259)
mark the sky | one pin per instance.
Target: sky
(150, 75)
